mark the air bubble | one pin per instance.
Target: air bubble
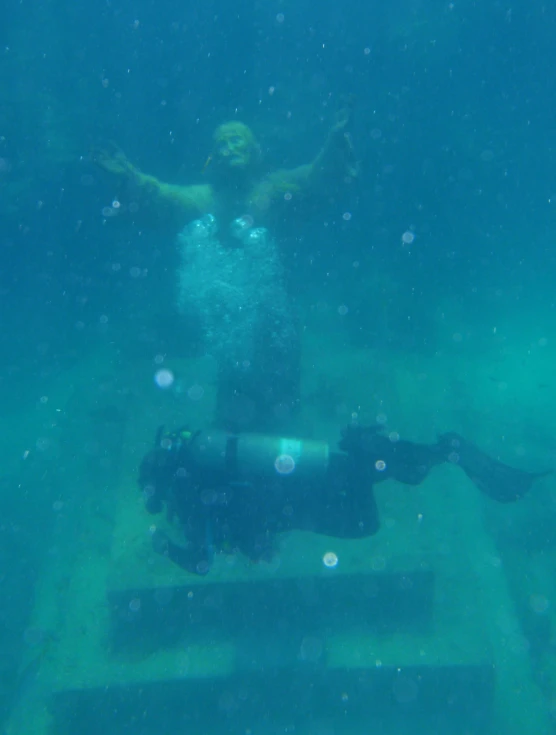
(164, 378)
(330, 560)
(284, 464)
(202, 567)
(195, 392)
(311, 649)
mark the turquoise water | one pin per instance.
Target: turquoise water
(405, 280)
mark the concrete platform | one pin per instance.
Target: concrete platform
(386, 637)
(413, 630)
(282, 651)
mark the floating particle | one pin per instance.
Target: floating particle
(195, 392)
(284, 464)
(164, 378)
(203, 567)
(330, 560)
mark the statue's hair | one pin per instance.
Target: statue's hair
(234, 127)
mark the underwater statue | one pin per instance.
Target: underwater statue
(230, 277)
(236, 180)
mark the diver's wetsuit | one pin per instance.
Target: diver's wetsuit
(232, 492)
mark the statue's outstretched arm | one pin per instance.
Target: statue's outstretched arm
(156, 196)
(336, 162)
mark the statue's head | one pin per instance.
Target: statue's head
(235, 147)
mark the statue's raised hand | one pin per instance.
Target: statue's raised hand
(113, 159)
(343, 115)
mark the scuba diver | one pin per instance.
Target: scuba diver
(231, 279)
(236, 492)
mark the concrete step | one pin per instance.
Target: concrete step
(403, 635)
(387, 603)
(268, 648)
(307, 699)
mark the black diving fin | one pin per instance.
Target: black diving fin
(494, 478)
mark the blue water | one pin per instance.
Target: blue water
(417, 291)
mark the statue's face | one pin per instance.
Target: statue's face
(233, 150)
(234, 147)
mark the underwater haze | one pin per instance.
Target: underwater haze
(256, 224)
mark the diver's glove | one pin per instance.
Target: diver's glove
(198, 562)
(158, 469)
